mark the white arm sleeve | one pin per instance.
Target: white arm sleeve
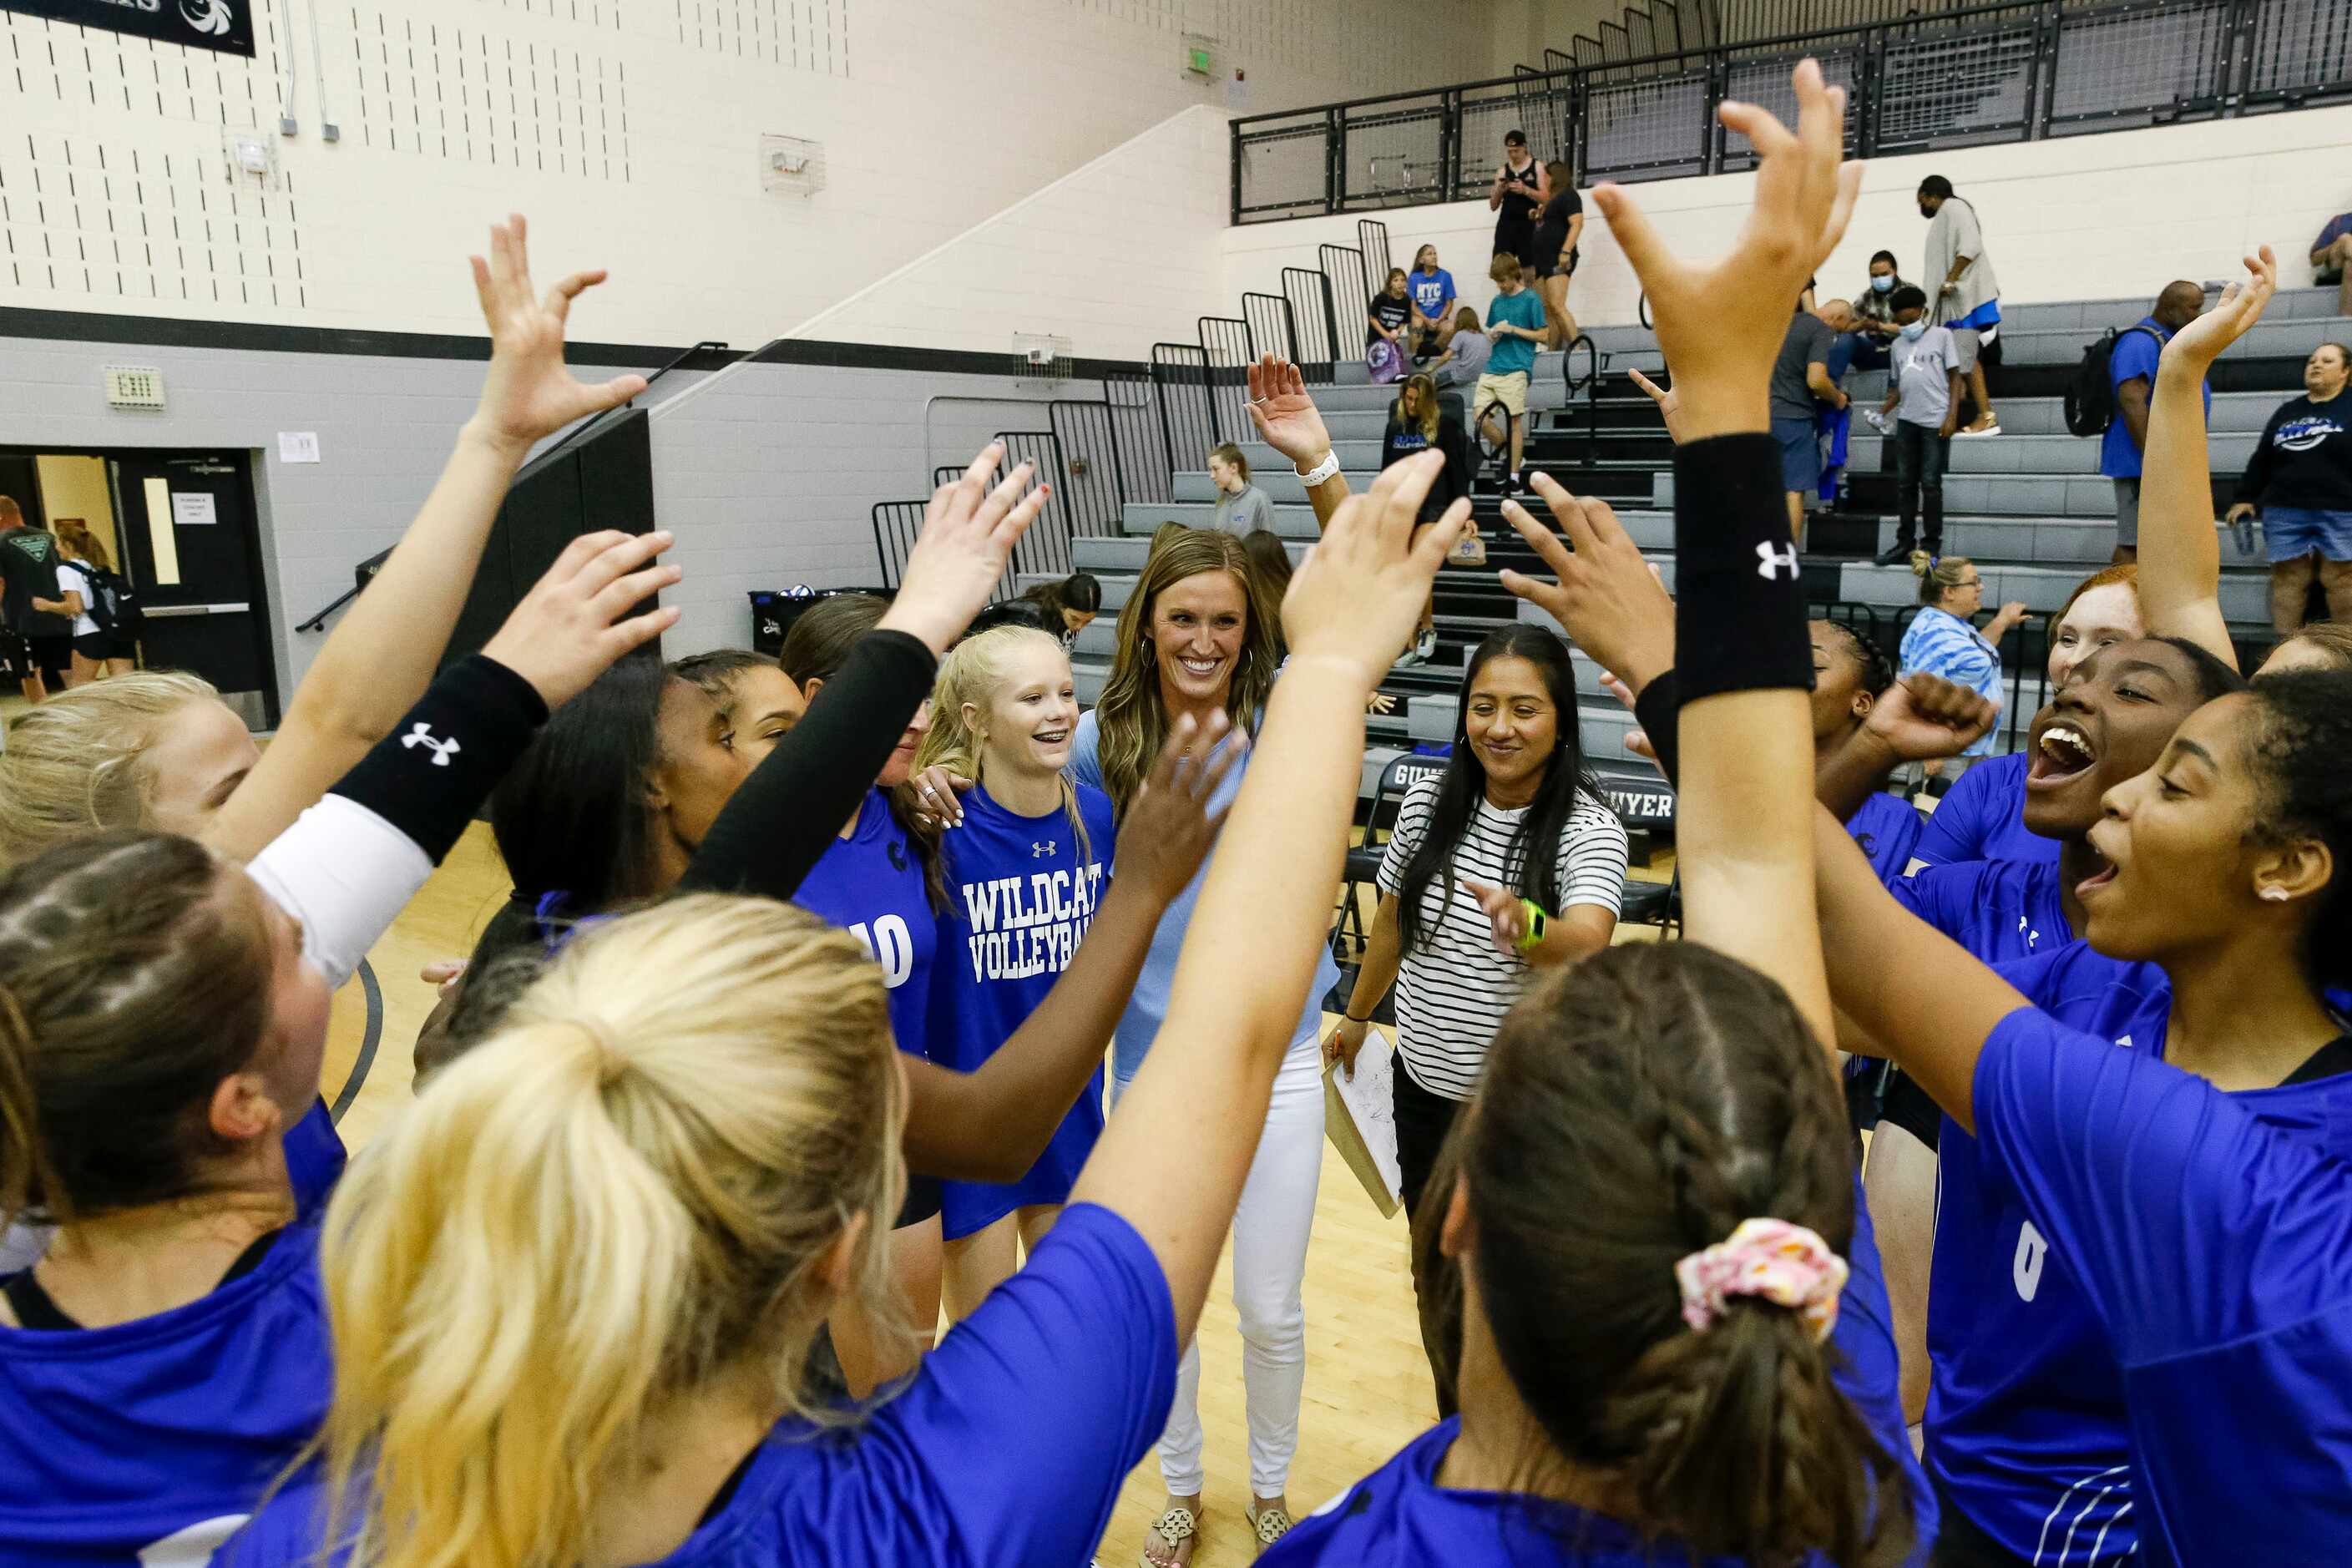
(346, 874)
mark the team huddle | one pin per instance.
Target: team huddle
(792, 1036)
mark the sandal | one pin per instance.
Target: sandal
(1271, 1526)
(1174, 1528)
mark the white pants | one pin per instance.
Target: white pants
(1278, 1209)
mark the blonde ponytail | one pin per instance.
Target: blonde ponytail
(623, 1198)
(974, 670)
(74, 764)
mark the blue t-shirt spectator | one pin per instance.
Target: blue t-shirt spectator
(2136, 355)
(1432, 292)
(1514, 355)
(1939, 643)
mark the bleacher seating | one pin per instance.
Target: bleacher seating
(2029, 506)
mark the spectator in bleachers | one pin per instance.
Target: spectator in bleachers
(1870, 343)
(1241, 505)
(1070, 604)
(1924, 400)
(1386, 316)
(1418, 422)
(1557, 229)
(1942, 640)
(1432, 287)
(1465, 359)
(1967, 294)
(1520, 191)
(2331, 261)
(2300, 480)
(2131, 371)
(1516, 322)
(1800, 387)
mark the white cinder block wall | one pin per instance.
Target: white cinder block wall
(2087, 217)
(1116, 255)
(629, 130)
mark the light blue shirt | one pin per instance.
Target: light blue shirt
(1147, 1008)
(1939, 643)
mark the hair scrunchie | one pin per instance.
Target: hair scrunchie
(1785, 1264)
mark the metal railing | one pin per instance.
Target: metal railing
(1940, 77)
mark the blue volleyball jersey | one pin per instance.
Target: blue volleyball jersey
(871, 885)
(1021, 893)
(1982, 818)
(1886, 827)
(314, 1159)
(2000, 910)
(2212, 1234)
(1005, 1449)
(1400, 1515)
(2025, 1423)
(143, 1445)
(1148, 1005)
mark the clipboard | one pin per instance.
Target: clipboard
(1359, 1119)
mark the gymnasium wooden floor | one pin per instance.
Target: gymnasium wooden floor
(1367, 1388)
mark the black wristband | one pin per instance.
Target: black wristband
(1659, 711)
(430, 775)
(1739, 599)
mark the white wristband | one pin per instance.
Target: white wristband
(1322, 471)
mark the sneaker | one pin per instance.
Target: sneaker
(1898, 553)
(1988, 430)
(1420, 651)
(1875, 419)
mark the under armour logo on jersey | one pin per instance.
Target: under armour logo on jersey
(421, 735)
(1770, 562)
(1043, 851)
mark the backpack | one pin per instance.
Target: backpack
(2091, 394)
(113, 607)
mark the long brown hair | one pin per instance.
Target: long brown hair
(132, 981)
(1132, 721)
(1421, 382)
(1699, 1099)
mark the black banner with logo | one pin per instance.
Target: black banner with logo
(223, 26)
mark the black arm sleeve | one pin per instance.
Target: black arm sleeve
(1739, 595)
(431, 775)
(2257, 477)
(789, 811)
(1659, 709)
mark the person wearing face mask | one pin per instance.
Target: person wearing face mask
(1924, 402)
(1956, 269)
(1026, 867)
(2300, 483)
(1874, 327)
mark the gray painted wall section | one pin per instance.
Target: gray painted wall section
(767, 473)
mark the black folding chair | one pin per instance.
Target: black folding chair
(1363, 869)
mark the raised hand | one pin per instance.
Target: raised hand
(1285, 418)
(1606, 595)
(969, 531)
(1168, 825)
(1669, 406)
(1356, 598)
(1721, 325)
(530, 393)
(568, 629)
(2200, 343)
(1924, 718)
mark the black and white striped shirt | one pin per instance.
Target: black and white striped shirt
(1453, 988)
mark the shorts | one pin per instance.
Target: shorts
(54, 655)
(17, 662)
(2292, 533)
(1903, 1103)
(923, 1199)
(1548, 260)
(1968, 345)
(100, 647)
(2331, 278)
(1800, 453)
(2128, 513)
(1509, 389)
(1516, 239)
